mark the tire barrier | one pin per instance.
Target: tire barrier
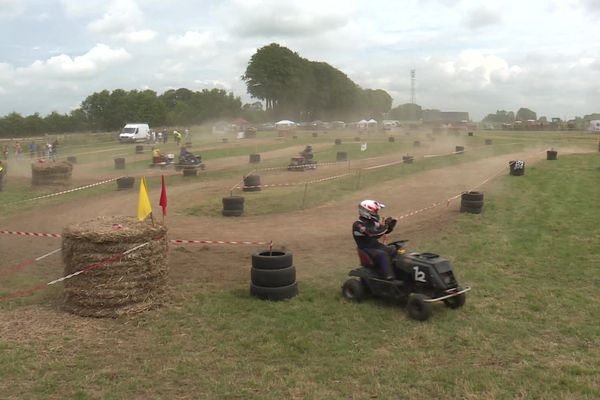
(225, 140)
(357, 139)
(190, 172)
(341, 156)
(517, 167)
(488, 141)
(125, 182)
(459, 149)
(139, 149)
(470, 133)
(551, 155)
(314, 134)
(338, 141)
(119, 163)
(408, 159)
(416, 143)
(72, 159)
(251, 183)
(273, 276)
(233, 206)
(392, 139)
(471, 202)
(294, 137)
(254, 158)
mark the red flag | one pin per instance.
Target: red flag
(163, 197)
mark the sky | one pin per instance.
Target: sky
(469, 55)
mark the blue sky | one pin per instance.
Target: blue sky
(475, 56)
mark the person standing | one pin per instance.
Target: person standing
(165, 136)
(2, 173)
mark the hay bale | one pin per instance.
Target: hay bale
(51, 173)
(134, 283)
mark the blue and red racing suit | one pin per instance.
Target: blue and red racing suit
(366, 233)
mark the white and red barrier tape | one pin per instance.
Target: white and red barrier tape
(297, 183)
(68, 191)
(31, 234)
(180, 241)
(22, 265)
(81, 271)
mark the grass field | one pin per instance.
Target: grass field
(529, 329)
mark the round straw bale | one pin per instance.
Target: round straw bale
(51, 173)
(114, 283)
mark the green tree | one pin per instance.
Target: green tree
(525, 114)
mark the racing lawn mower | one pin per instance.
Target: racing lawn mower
(190, 161)
(420, 278)
(163, 160)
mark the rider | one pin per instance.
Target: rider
(368, 229)
(307, 152)
(156, 155)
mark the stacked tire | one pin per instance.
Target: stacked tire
(72, 159)
(190, 171)
(251, 183)
(254, 158)
(408, 159)
(471, 202)
(516, 167)
(273, 276)
(551, 155)
(125, 182)
(139, 149)
(488, 141)
(338, 141)
(416, 143)
(459, 149)
(341, 156)
(391, 139)
(233, 206)
(119, 163)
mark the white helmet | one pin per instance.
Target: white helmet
(369, 209)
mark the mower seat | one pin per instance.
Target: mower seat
(365, 259)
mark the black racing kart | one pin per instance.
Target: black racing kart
(189, 161)
(420, 278)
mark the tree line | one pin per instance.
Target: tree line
(109, 111)
(294, 87)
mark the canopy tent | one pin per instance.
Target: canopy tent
(285, 124)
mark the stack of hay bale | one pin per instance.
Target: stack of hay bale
(133, 283)
(51, 173)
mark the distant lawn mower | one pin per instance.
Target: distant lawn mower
(421, 278)
(190, 161)
(301, 163)
(163, 161)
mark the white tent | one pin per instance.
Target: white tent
(285, 124)
(362, 124)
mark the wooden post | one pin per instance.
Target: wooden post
(304, 196)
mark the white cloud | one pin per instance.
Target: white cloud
(79, 9)
(192, 40)
(266, 18)
(481, 17)
(136, 37)
(11, 8)
(87, 65)
(121, 15)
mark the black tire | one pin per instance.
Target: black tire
(418, 308)
(232, 213)
(470, 210)
(275, 259)
(471, 203)
(274, 293)
(353, 290)
(338, 141)
(190, 172)
(471, 196)
(233, 203)
(456, 301)
(391, 139)
(273, 277)
(252, 183)
(125, 182)
(341, 156)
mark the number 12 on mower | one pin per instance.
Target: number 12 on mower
(419, 275)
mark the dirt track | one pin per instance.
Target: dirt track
(310, 234)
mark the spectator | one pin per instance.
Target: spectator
(32, 149)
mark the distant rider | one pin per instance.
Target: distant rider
(366, 232)
(307, 152)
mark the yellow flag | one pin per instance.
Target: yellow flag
(144, 207)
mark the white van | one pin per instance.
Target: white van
(134, 133)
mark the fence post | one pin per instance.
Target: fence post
(304, 196)
(358, 181)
